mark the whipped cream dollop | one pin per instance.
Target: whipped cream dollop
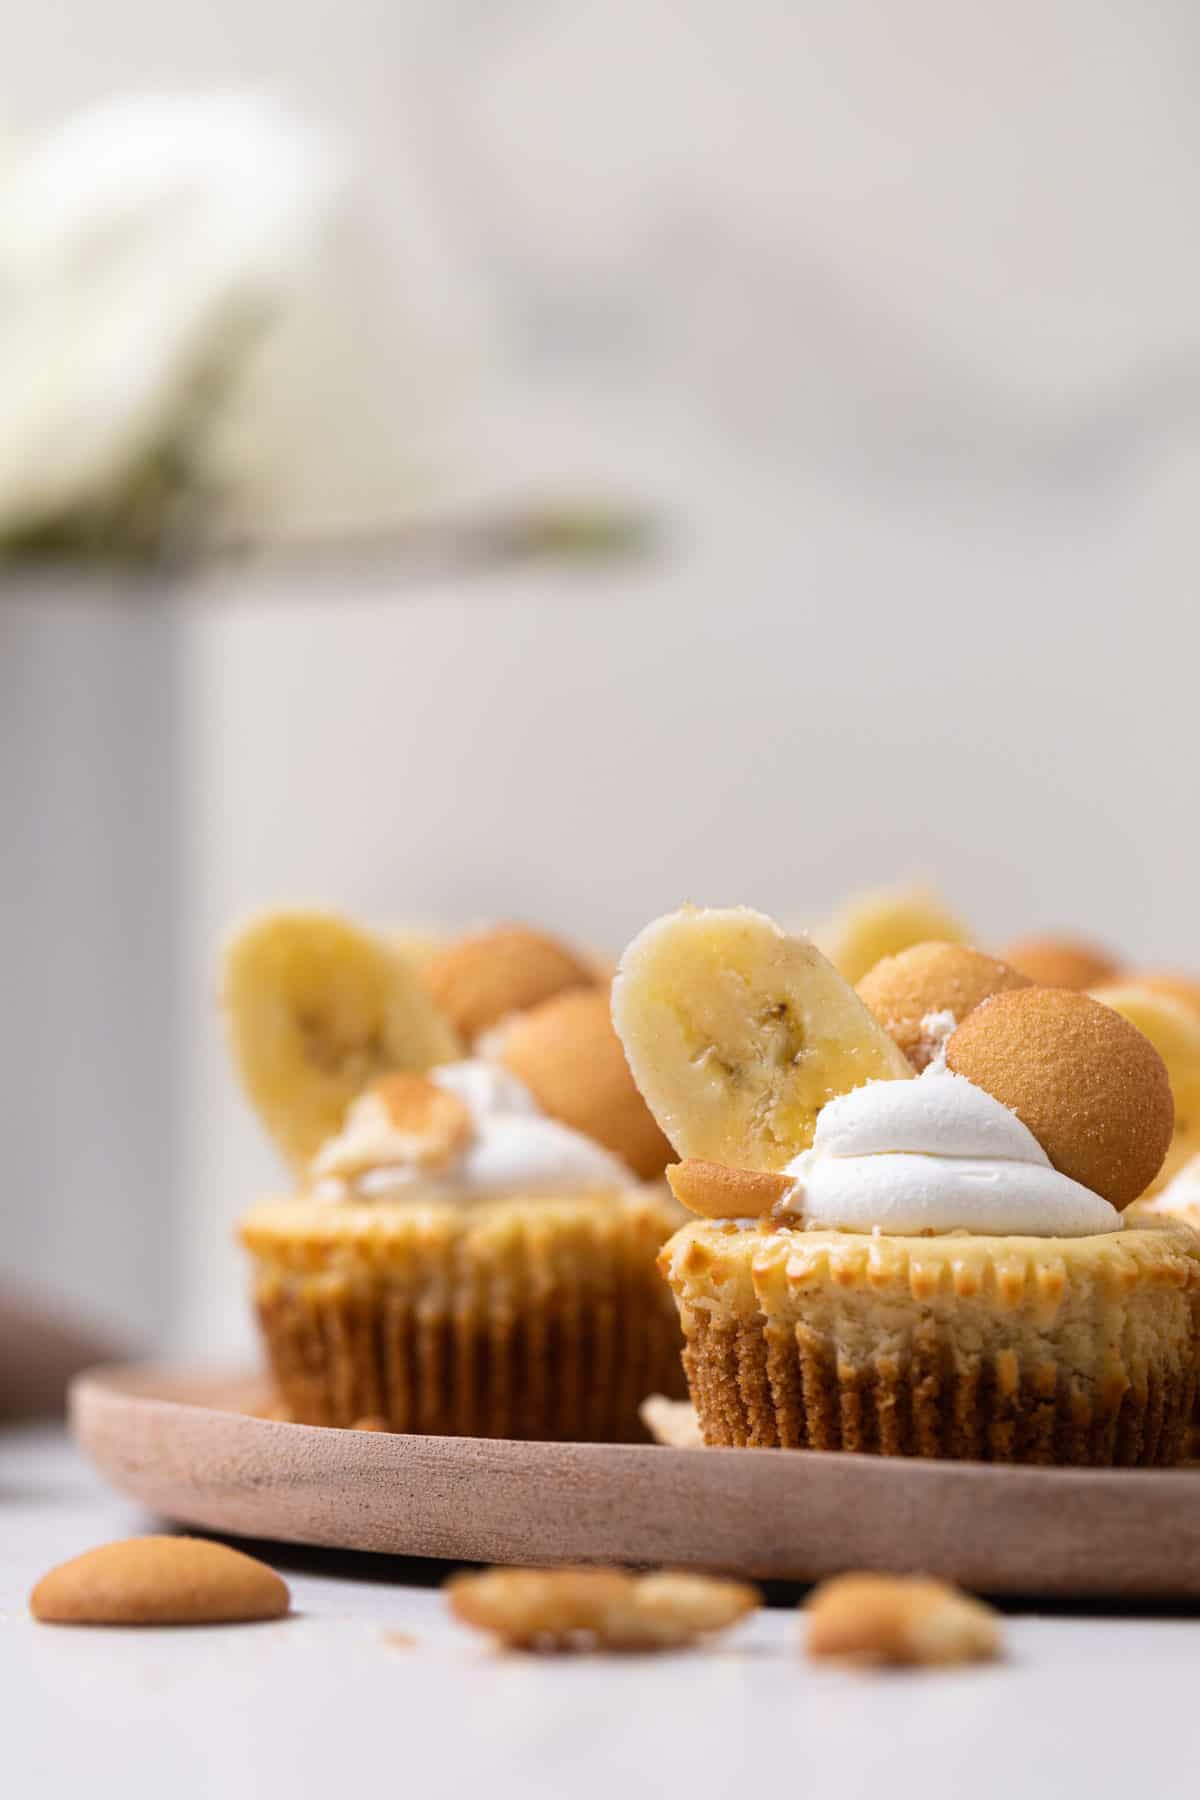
(511, 1148)
(932, 1155)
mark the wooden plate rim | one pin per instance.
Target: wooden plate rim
(161, 1435)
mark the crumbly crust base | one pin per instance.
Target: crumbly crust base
(525, 1318)
(1033, 1350)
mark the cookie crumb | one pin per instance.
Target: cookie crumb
(598, 1609)
(671, 1422)
(899, 1620)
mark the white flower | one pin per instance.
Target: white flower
(143, 244)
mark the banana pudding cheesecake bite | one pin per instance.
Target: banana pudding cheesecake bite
(930, 1264)
(470, 1247)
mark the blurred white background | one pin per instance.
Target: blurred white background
(895, 318)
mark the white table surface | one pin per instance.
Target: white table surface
(325, 1703)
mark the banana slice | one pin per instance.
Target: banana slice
(871, 926)
(1173, 1028)
(737, 1035)
(317, 1009)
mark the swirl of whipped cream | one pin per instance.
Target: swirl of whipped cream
(933, 1155)
(513, 1148)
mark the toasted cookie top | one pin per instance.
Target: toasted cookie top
(1093, 1091)
(481, 979)
(715, 1191)
(1061, 962)
(569, 1056)
(159, 1581)
(909, 989)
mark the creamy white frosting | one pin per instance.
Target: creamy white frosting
(513, 1149)
(934, 1155)
(937, 1028)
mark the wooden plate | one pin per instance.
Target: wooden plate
(187, 1447)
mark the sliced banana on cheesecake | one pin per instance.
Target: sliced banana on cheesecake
(317, 1009)
(737, 1034)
